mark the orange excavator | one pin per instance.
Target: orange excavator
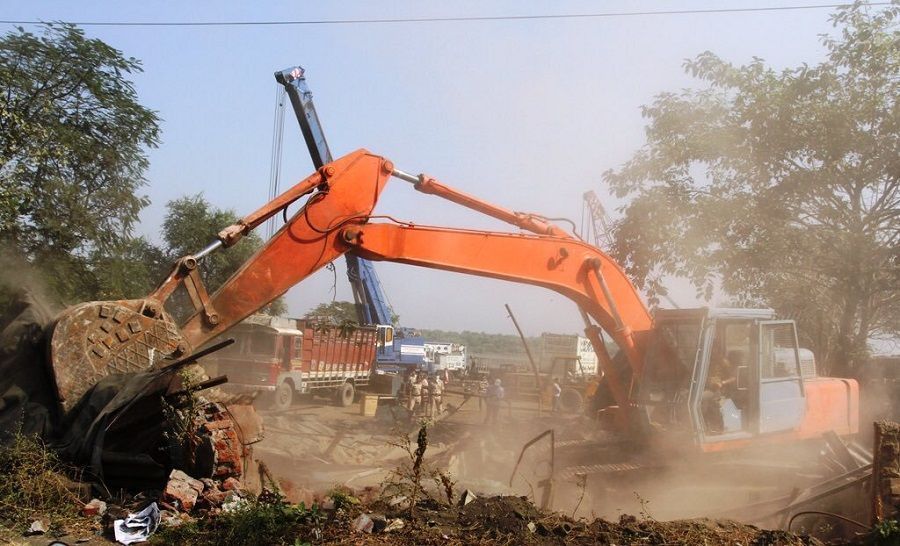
(717, 378)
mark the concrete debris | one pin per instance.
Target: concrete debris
(363, 524)
(94, 508)
(38, 527)
(466, 497)
(399, 502)
(182, 490)
(531, 527)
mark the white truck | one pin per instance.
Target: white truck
(561, 353)
(444, 356)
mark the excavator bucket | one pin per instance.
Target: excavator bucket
(92, 340)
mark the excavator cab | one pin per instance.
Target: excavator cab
(725, 376)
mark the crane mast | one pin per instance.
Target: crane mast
(372, 305)
(598, 220)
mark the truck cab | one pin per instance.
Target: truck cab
(726, 376)
(398, 348)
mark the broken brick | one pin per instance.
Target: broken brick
(183, 490)
(94, 508)
(232, 484)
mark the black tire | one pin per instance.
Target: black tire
(345, 394)
(283, 396)
(571, 401)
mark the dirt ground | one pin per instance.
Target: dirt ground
(602, 493)
(315, 446)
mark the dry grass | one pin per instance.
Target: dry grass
(35, 484)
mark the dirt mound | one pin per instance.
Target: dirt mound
(503, 515)
(630, 530)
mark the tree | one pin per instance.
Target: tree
(190, 224)
(335, 312)
(132, 270)
(73, 145)
(780, 187)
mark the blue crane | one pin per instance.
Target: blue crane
(396, 346)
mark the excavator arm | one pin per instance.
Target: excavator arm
(336, 220)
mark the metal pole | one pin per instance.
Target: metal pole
(537, 377)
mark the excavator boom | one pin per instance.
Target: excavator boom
(334, 221)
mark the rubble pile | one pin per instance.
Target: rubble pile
(344, 519)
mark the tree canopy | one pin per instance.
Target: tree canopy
(335, 312)
(73, 150)
(780, 187)
(190, 224)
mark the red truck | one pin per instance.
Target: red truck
(281, 357)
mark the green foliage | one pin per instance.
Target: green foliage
(480, 342)
(131, 270)
(73, 143)
(885, 532)
(343, 497)
(266, 519)
(190, 224)
(780, 187)
(333, 313)
(34, 483)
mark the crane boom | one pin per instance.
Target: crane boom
(372, 306)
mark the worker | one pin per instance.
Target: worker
(722, 376)
(557, 392)
(494, 396)
(719, 386)
(428, 396)
(415, 395)
(437, 395)
(482, 391)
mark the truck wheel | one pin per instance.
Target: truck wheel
(344, 395)
(284, 396)
(571, 401)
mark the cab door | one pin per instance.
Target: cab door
(782, 403)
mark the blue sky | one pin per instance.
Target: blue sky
(525, 114)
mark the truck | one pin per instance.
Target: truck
(441, 356)
(566, 355)
(281, 358)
